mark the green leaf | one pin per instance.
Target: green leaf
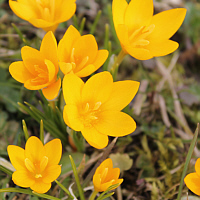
(122, 161)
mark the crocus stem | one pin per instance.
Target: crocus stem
(93, 195)
(53, 105)
(42, 131)
(64, 189)
(118, 60)
(80, 189)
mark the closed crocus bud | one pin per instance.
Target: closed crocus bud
(106, 176)
(45, 14)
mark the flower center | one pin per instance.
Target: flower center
(43, 3)
(42, 75)
(46, 9)
(89, 114)
(138, 37)
(36, 168)
(77, 64)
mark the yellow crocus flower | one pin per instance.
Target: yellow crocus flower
(142, 34)
(36, 165)
(45, 14)
(79, 54)
(105, 176)
(192, 180)
(39, 69)
(94, 107)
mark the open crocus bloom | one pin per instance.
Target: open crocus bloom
(36, 165)
(79, 54)
(192, 180)
(45, 14)
(105, 176)
(94, 108)
(142, 34)
(39, 69)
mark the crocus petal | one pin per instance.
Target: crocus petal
(22, 10)
(167, 23)
(34, 149)
(162, 48)
(65, 44)
(94, 138)
(138, 13)
(23, 178)
(66, 10)
(192, 181)
(197, 167)
(52, 91)
(98, 88)
(53, 154)
(41, 23)
(97, 181)
(17, 157)
(72, 87)
(105, 186)
(105, 164)
(49, 49)
(86, 71)
(112, 174)
(118, 11)
(121, 95)
(72, 117)
(118, 181)
(66, 68)
(139, 53)
(51, 70)
(115, 123)
(122, 33)
(32, 57)
(52, 28)
(19, 72)
(51, 173)
(82, 49)
(101, 57)
(41, 187)
(29, 85)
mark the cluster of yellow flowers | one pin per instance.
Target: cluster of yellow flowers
(94, 107)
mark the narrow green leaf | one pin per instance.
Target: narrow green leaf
(75, 21)
(82, 25)
(7, 171)
(80, 189)
(25, 130)
(106, 196)
(64, 189)
(96, 20)
(20, 34)
(27, 191)
(112, 24)
(109, 189)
